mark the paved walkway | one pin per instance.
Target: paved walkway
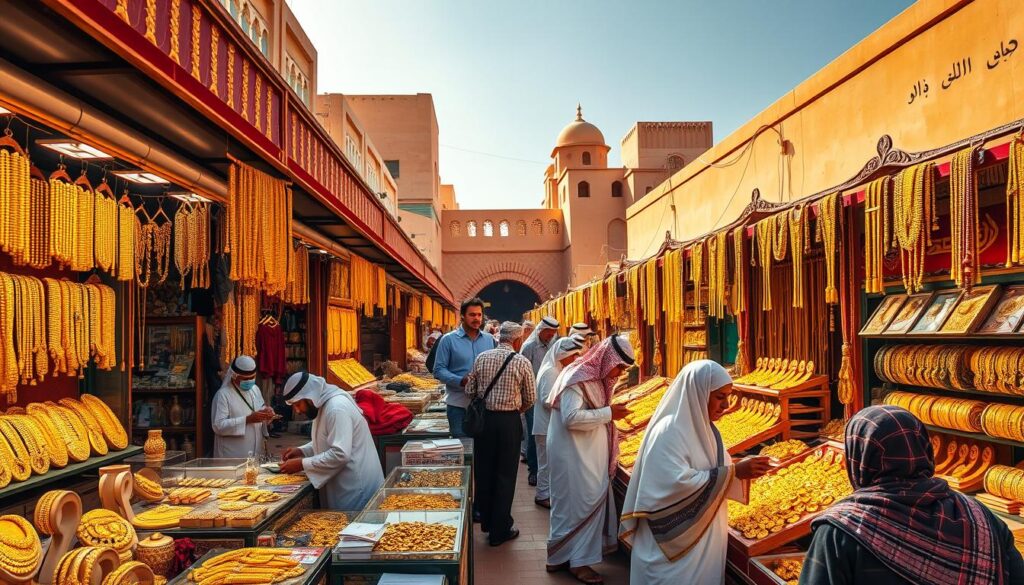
(521, 561)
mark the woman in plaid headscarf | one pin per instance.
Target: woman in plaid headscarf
(902, 525)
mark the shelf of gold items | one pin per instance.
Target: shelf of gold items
(222, 508)
(777, 569)
(803, 397)
(783, 503)
(641, 400)
(283, 566)
(349, 374)
(49, 443)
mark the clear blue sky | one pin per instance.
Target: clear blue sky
(506, 76)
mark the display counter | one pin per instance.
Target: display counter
(455, 562)
(315, 560)
(294, 499)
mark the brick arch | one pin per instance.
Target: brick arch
(512, 270)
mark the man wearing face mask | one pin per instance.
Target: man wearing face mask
(239, 415)
(340, 460)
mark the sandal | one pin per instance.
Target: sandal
(556, 568)
(587, 575)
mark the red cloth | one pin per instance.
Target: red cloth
(384, 418)
(270, 358)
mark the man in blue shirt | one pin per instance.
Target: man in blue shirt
(456, 352)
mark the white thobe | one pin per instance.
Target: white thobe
(583, 520)
(233, 438)
(341, 460)
(704, 564)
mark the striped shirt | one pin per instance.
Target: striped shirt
(515, 391)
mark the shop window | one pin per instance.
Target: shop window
(553, 226)
(520, 228)
(503, 228)
(583, 189)
(488, 228)
(586, 158)
(538, 227)
(471, 229)
(455, 228)
(617, 189)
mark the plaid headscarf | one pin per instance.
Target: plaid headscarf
(911, 521)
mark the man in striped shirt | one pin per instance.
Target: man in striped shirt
(505, 379)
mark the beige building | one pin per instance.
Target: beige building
(581, 227)
(404, 129)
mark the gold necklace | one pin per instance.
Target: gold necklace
(765, 232)
(963, 204)
(828, 225)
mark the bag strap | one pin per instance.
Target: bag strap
(501, 371)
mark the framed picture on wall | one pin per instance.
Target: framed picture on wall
(884, 314)
(908, 313)
(970, 310)
(1007, 314)
(939, 308)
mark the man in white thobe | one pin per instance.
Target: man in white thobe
(340, 460)
(581, 451)
(562, 353)
(238, 415)
(534, 349)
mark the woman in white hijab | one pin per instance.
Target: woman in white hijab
(561, 354)
(582, 448)
(340, 460)
(238, 415)
(674, 514)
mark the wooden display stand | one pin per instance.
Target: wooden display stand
(64, 515)
(116, 484)
(815, 388)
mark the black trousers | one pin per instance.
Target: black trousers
(496, 453)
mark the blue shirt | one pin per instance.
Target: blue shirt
(456, 353)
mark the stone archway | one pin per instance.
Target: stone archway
(507, 300)
(514, 271)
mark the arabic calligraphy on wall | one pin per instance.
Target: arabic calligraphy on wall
(960, 69)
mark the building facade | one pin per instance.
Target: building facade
(581, 227)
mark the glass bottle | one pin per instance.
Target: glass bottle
(175, 413)
(251, 469)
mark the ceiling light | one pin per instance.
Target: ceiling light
(141, 177)
(4, 111)
(189, 197)
(73, 149)
(320, 251)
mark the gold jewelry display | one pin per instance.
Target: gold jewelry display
(70, 427)
(323, 526)
(753, 416)
(15, 202)
(146, 488)
(160, 517)
(97, 434)
(1005, 482)
(259, 228)
(876, 233)
(797, 219)
(286, 479)
(297, 292)
(739, 288)
(914, 218)
(641, 410)
(265, 565)
(765, 237)
(717, 267)
(420, 501)
(417, 537)
(963, 213)
(350, 372)
(192, 244)
(20, 549)
(784, 449)
(1015, 202)
(102, 527)
(431, 479)
(788, 494)
(696, 271)
(949, 413)
(130, 572)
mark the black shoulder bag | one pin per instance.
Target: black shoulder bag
(473, 424)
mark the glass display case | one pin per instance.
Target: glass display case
(438, 495)
(315, 560)
(429, 477)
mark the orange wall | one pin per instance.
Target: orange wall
(834, 120)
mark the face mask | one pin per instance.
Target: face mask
(247, 384)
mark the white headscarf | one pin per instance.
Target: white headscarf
(595, 366)
(242, 365)
(582, 329)
(680, 477)
(548, 372)
(307, 386)
(545, 323)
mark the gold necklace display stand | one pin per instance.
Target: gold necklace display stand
(60, 521)
(116, 485)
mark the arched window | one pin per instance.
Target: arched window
(265, 43)
(520, 228)
(616, 237)
(675, 162)
(455, 228)
(488, 228)
(553, 226)
(617, 189)
(233, 8)
(254, 31)
(586, 158)
(503, 228)
(245, 20)
(538, 227)
(471, 229)
(583, 189)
